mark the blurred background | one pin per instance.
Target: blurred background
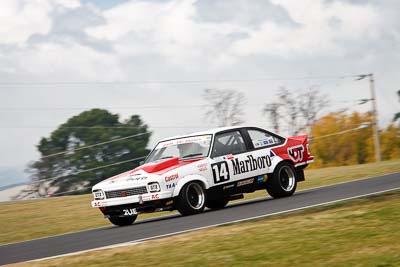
(88, 87)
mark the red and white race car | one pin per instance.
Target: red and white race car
(205, 169)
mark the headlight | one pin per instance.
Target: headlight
(98, 194)
(154, 187)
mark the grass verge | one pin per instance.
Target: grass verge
(361, 232)
(26, 220)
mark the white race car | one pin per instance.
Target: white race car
(206, 169)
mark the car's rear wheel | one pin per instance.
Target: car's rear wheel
(122, 221)
(216, 204)
(282, 183)
(191, 199)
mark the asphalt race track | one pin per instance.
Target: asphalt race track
(174, 224)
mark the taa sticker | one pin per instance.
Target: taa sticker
(170, 186)
(220, 172)
(129, 212)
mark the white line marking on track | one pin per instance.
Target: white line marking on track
(138, 241)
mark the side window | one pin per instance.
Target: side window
(263, 139)
(228, 143)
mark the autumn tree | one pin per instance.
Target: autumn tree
(390, 138)
(340, 139)
(224, 107)
(390, 142)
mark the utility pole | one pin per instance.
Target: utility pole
(375, 132)
(375, 118)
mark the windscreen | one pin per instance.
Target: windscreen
(183, 148)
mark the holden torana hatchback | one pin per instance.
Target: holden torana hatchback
(205, 169)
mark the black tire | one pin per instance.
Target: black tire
(283, 182)
(191, 199)
(216, 203)
(122, 221)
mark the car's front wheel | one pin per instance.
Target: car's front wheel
(191, 199)
(122, 221)
(282, 183)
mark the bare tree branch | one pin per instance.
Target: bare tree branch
(226, 106)
(288, 101)
(310, 104)
(272, 110)
(297, 111)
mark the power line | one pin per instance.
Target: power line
(69, 191)
(362, 126)
(137, 107)
(80, 108)
(92, 169)
(326, 77)
(99, 127)
(95, 168)
(94, 145)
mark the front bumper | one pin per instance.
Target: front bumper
(137, 199)
(148, 206)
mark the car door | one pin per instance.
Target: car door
(230, 158)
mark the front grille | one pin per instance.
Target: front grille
(128, 192)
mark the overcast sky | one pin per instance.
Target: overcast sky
(61, 57)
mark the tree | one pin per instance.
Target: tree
(225, 106)
(291, 109)
(296, 111)
(338, 139)
(273, 111)
(310, 104)
(62, 172)
(390, 142)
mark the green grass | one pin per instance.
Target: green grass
(40, 218)
(361, 232)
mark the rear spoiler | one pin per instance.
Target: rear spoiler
(302, 140)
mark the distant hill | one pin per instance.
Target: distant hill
(13, 175)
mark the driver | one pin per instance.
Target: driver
(189, 149)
